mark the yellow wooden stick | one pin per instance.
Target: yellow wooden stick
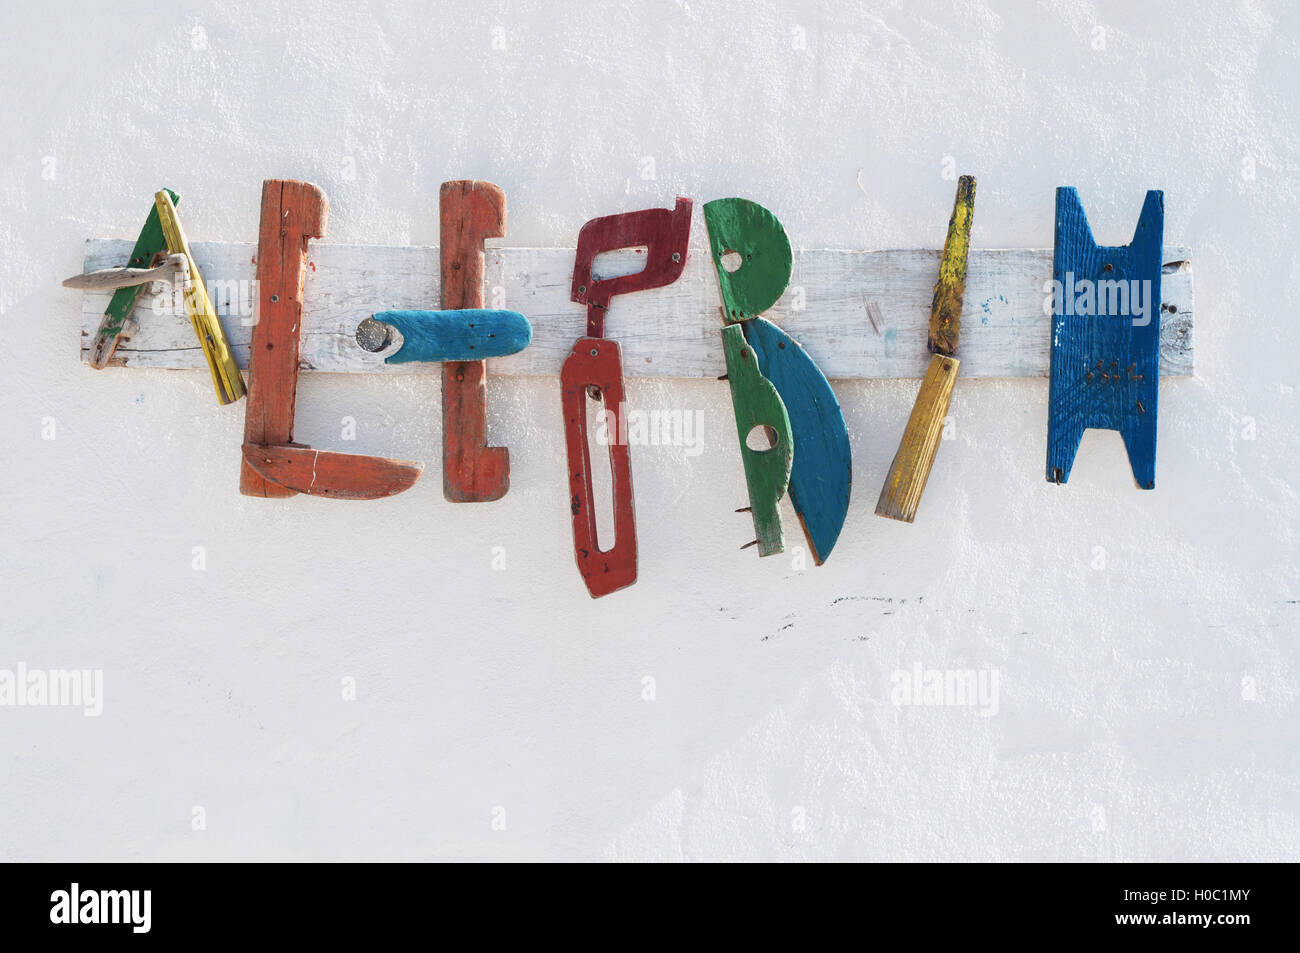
(901, 494)
(902, 491)
(203, 316)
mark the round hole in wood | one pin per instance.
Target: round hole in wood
(761, 438)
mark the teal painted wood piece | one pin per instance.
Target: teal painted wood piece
(821, 472)
(469, 334)
(1105, 363)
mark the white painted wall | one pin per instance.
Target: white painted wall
(1146, 710)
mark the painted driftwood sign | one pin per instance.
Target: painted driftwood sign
(1104, 323)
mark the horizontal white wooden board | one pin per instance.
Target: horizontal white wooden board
(860, 314)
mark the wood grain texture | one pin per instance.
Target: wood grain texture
(470, 212)
(672, 331)
(117, 323)
(292, 214)
(821, 468)
(327, 473)
(910, 469)
(1105, 364)
(207, 326)
(755, 403)
(596, 363)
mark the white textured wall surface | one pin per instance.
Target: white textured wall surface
(1146, 710)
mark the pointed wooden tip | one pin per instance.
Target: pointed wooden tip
(342, 476)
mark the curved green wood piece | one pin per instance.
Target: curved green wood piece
(757, 404)
(766, 261)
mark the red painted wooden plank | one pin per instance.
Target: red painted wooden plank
(472, 472)
(664, 234)
(293, 213)
(597, 363)
(343, 476)
(596, 366)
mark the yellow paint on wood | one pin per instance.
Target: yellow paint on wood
(226, 378)
(950, 289)
(901, 493)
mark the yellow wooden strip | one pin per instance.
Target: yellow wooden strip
(226, 378)
(901, 493)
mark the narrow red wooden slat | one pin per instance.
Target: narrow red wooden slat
(274, 466)
(597, 363)
(293, 213)
(472, 472)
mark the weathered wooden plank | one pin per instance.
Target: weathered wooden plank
(858, 314)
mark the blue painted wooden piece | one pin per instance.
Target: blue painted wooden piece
(821, 472)
(1105, 368)
(469, 334)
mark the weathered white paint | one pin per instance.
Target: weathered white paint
(673, 331)
(1147, 709)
